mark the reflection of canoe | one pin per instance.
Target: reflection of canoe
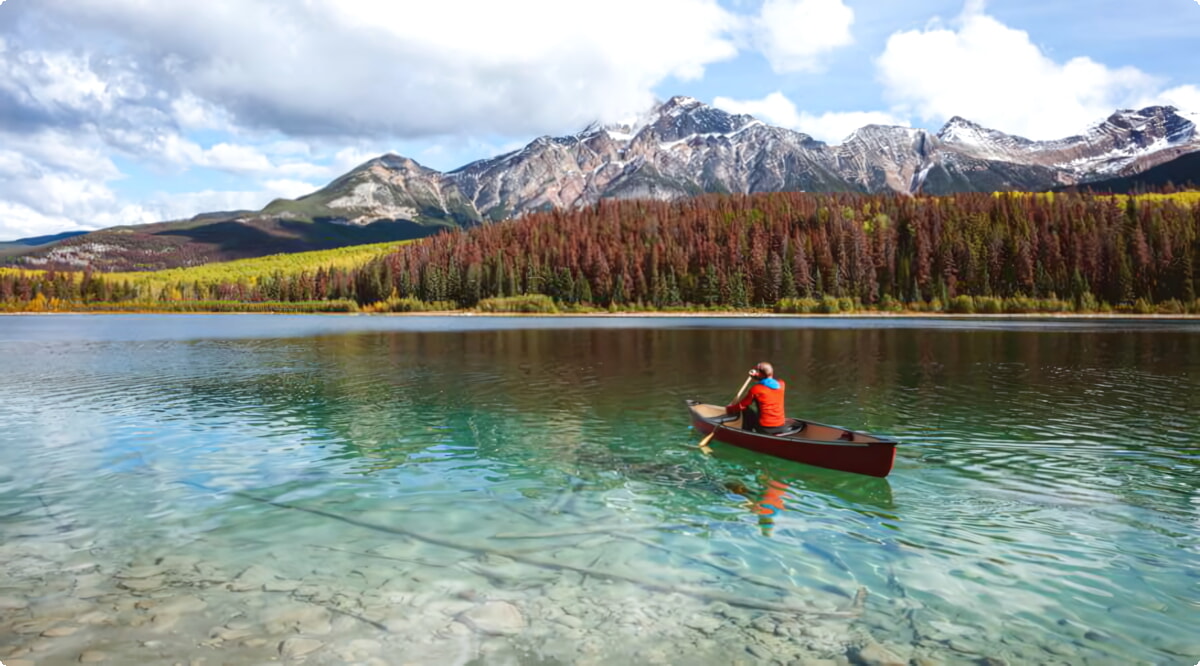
(810, 443)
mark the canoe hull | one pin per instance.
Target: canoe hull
(869, 455)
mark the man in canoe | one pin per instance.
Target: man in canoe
(766, 395)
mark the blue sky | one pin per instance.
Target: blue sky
(124, 112)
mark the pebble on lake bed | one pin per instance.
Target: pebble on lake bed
(296, 646)
(13, 604)
(495, 618)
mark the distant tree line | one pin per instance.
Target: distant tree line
(967, 252)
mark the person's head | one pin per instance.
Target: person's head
(764, 370)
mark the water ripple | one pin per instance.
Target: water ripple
(1047, 478)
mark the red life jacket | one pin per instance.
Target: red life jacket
(770, 404)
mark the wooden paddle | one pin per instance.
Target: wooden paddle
(704, 442)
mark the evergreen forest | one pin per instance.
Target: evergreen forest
(778, 252)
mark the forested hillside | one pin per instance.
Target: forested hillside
(787, 252)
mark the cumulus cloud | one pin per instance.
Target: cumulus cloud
(1185, 98)
(359, 67)
(54, 180)
(831, 127)
(236, 158)
(995, 75)
(175, 206)
(252, 87)
(48, 203)
(21, 221)
(794, 34)
(50, 182)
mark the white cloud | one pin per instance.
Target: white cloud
(235, 158)
(52, 181)
(20, 221)
(289, 189)
(1185, 98)
(176, 206)
(193, 113)
(995, 75)
(306, 170)
(37, 203)
(831, 127)
(348, 158)
(362, 68)
(56, 82)
(794, 34)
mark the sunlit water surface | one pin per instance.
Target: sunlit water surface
(241, 489)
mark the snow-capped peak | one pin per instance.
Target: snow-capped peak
(962, 131)
(677, 119)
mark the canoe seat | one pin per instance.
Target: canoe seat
(797, 426)
(727, 418)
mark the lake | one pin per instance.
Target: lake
(522, 490)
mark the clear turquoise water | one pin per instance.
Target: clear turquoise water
(1044, 508)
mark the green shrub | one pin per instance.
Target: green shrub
(409, 304)
(796, 306)
(1018, 305)
(1171, 306)
(829, 305)
(989, 305)
(890, 304)
(962, 304)
(270, 307)
(527, 304)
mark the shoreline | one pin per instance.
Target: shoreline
(1086, 316)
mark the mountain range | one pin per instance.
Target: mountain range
(680, 148)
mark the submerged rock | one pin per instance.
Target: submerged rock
(296, 646)
(13, 604)
(874, 654)
(251, 578)
(60, 631)
(300, 618)
(143, 584)
(705, 624)
(136, 572)
(498, 618)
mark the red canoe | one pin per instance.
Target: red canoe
(809, 443)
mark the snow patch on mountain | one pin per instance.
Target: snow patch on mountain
(682, 147)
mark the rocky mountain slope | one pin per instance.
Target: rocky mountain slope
(684, 147)
(680, 148)
(1181, 173)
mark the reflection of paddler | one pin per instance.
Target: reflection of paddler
(767, 506)
(770, 504)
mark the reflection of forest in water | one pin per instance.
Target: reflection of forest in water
(1043, 473)
(604, 406)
